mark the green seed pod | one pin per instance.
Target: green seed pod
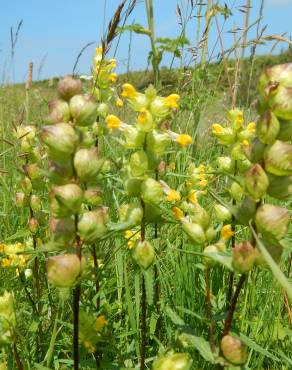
(158, 108)
(278, 158)
(26, 185)
(257, 150)
(210, 234)
(138, 102)
(274, 249)
(21, 200)
(139, 163)
(256, 182)
(245, 211)
(93, 197)
(132, 186)
(281, 73)
(66, 200)
(134, 138)
(131, 214)
(35, 203)
(243, 257)
(62, 230)
(87, 164)
(61, 139)
(88, 139)
(63, 270)
(33, 171)
(58, 112)
(153, 214)
(195, 232)
(210, 250)
(234, 350)
(33, 225)
(226, 164)
(243, 165)
(268, 127)
(173, 361)
(68, 87)
(151, 191)
(157, 142)
(221, 213)
(285, 133)
(237, 153)
(83, 109)
(225, 136)
(199, 215)
(7, 317)
(280, 101)
(60, 172)
(143, 254)
(280, 187)
(92, 225)
(236, 191)
(102, 110)
(272, 222)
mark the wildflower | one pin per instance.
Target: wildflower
(171, 166)
(119, 103)
(245, 143)
(89, 346)
(251, 127)
(171, 101)
(113, 77)
(129, 91)
(173, 196)
(216, 128)
(113, 121)
(100, 323)
(178, 213)
(132, 236)
(193, 197)
(99, 50)
(184, 140)
(142, 117)
(226, 232)
(112, 63)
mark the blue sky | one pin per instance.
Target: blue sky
(54, 31)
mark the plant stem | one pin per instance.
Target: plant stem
(17, 358)
(155, 62)
(228, 321)
(143, 303)
(209, 311)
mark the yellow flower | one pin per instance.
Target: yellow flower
(171, 101)
(132, 236)
(6, 262)
(113, 121)
(245, 143)
(193, 197)
(239, 118)
(178, 213)
(173, 196)
(203, 183)
(89, 346)
(113, 63)
(113, 77)
(142, 117)
(119, 103)
(129, 91)
(216, 128)
(226, 232)
(99, 50)
(171, 166)
(184, 140)
(251, 128)
(2, 248)
(100, 323)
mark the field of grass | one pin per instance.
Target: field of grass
(131, 314)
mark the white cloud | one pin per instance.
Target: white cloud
(279, 2)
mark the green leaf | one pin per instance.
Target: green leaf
(149, 286)
(200, 344)
(174, 317)
(41, 367)
(23, 233)
(137, 28)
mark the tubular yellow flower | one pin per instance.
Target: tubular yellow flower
(226, 232)
(129, 91)
(113, 77)
(245, 143)
(251, 128)
(119, 103)
(177, 212)
(239, 118)
(203, 183)
(113, 121)
(173, 196)
(100, 323)
(193, 197)
(132, 236)
(112, 63)
(142, 117)
(171, 101)
(98, 50)
(216, 128)
(184, 140)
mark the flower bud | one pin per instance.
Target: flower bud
(280, 187)
(210, 250)
(134, 138)
(226, 164)
(143, 254)
(60, 172)
(63, 270)
(256, 182)
(33, 225)
(151, 191)
(272, 221)
(173, 361)
(87, 164)
(268, 127)
(285, 132)
(66, 200)
(243, 257)
(20, 200)
(83, 109)
(102, 110)
(63, 230)
(58, 112)
(157, 142)
(35, 203)
(280, 101)
(236, 191)
(278, 158)
(26, 185)
(93, 197)
(92, 225)
(61, 139)
(68, 87)
(221, 213)
(257, 150)
(139, 163)
(234, 350)
(195, 232)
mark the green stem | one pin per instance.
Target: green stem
(155, 61)
(143, 304)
